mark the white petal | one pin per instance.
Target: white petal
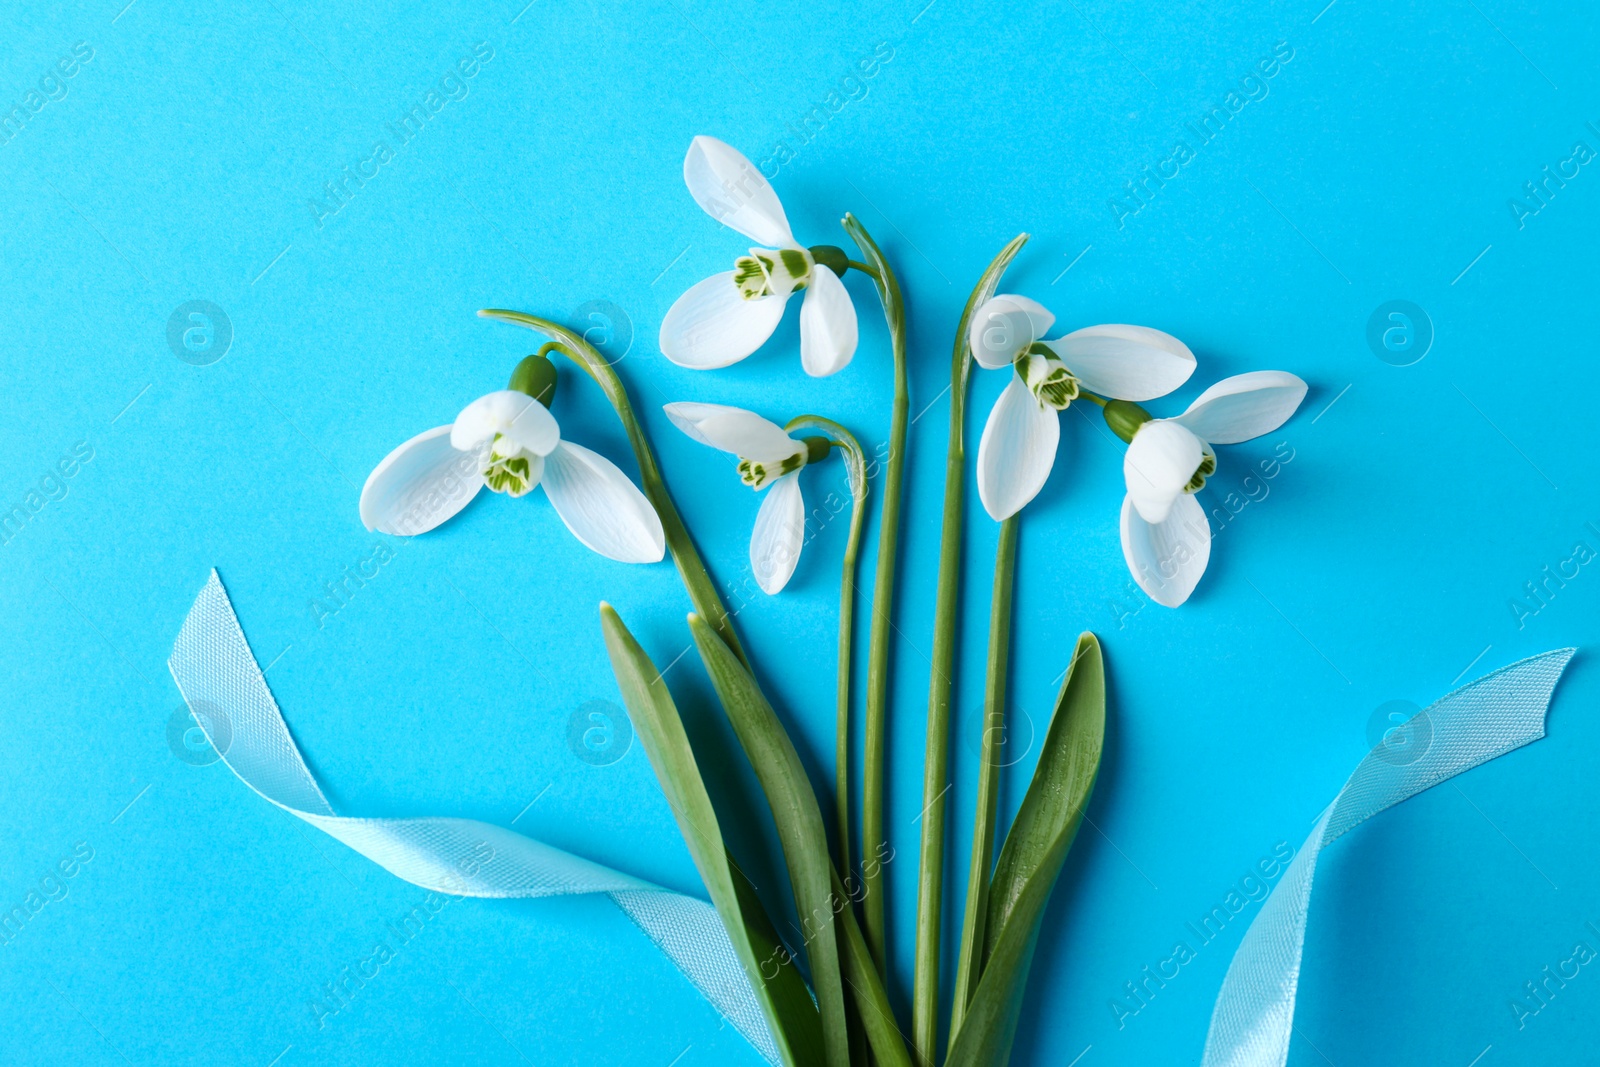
(601, 505)
(518, 417)
(1017, 450)
(1125, 362)
(1168, 558)
(779, 533)
(1244, 406)
(713, 325)
(731, 190)
(827, 325)
(735, 430)
(419, 485)
(1004, 327)
(1161, 459)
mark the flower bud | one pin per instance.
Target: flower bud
(831, 256)
(1125, 417)
(535, 376)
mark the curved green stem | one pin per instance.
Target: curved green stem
(696, 579)
(872, 776)
(865, 268)
(856, 468)
(969, 966)
(866, 983)
(930, 872)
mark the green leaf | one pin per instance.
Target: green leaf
(871, 999)
(800, 828)
(783, 995)
(1035, 848)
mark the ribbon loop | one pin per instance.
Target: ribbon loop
(1254, 1014)
(216, 672)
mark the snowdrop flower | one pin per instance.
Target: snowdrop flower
(1166, 538)
(729, 315)
(1019, 441)
(768, 459)
(509, 441)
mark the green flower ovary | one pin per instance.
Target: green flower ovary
(764, 272)
(758, 475)
(1051, 383)
(1208, 467)
(506, 468)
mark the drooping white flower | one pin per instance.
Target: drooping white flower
(768, 459)
(510, 442)
(1020, 439)
(728, 316)
(1166, 538)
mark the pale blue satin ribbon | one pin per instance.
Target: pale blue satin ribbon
(215, 670)
(1254, 1015)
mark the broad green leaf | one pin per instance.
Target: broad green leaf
(1031, 859)
(778, 986)
(800, 829)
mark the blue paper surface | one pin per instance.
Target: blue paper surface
(164, 160)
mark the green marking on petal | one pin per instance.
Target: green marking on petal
(752, 474)
(1208, 467)
(1051, 383)
(766, 271)
(751, 278)
(795, 262)
(505, 468)
(760, 475)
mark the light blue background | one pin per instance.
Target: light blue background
(1381, 566)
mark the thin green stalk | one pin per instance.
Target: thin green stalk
(856, 468)
(872, 775)
(696, 579)
(930, 873)
(970, 963)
